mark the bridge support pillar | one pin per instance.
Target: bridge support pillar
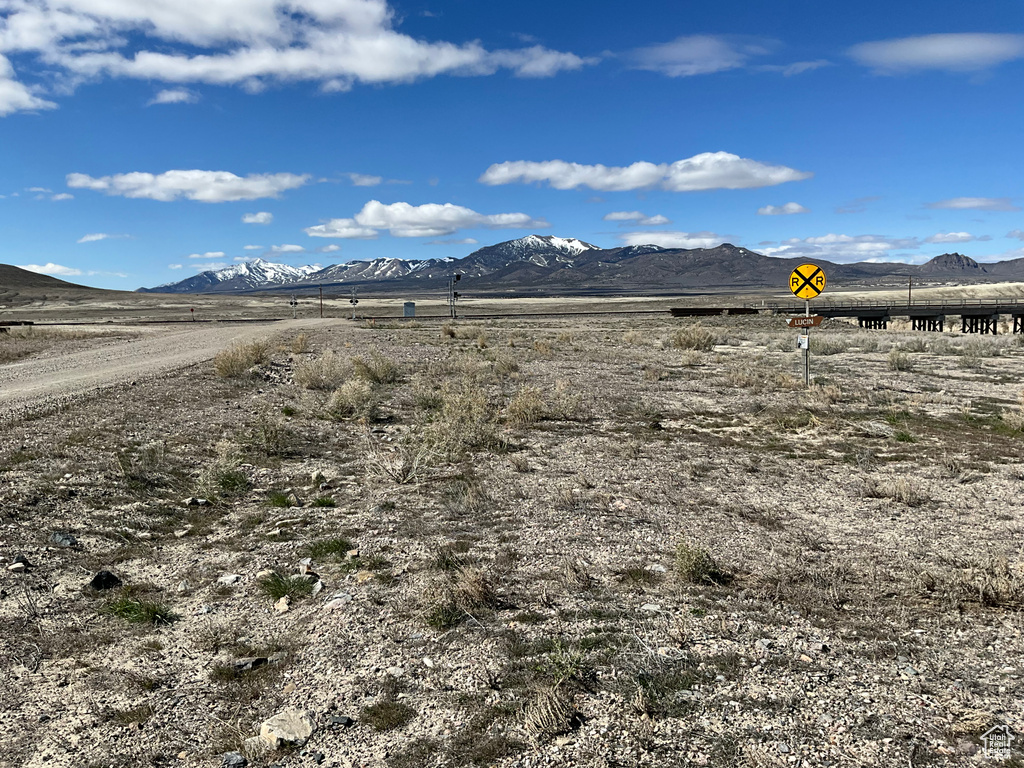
(979, 324)
(874, 323)
(927, 322)
(1018, 323)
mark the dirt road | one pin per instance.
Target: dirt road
(44, 382)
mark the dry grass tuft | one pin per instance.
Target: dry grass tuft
(695, 565)
(240, 358)
(354, 398)
(473, 589)
(324, 373)
(899, 489)
(377, 370)
(300, 344)
(551, 713)
(898, 360)
(525, 408)
(407, 461)
(693, 336)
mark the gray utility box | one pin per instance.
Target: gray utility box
(410, 309)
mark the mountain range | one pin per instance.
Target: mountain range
(547, 264)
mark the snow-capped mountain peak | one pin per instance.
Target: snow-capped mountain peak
(569, 245)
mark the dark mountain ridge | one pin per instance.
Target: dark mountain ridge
(546, 264)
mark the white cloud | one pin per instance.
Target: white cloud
(207, 255)
(62, 196)
(332, 248)
(699, 55)
(636, 217)
(202, 186)
(257, 218)
(859, 205)
(958, 52)
(174, 96)
(796, 68)
(954, 237)
(287, 249)
(175, 266)
(38, 189)
(211, 266)
(16, 96)
(709, 170)
(975, 204)
(1016, 233)
(455, 241)
(252, 247)
(430, 220)
(51, 269)
(537, 61)
(782, 210)
(362, 180)
(336, 43)
(95, 237)
(674, 239)
(843, 248)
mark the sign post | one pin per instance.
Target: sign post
(806, 282)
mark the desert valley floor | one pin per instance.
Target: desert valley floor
(622, 541)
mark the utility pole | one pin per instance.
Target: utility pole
(321, 301)
(910, 288)
(453, 295)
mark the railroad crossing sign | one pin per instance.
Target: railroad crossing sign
(807, 281)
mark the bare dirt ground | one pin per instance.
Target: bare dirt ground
(524, 542)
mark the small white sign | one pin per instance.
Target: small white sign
(803, 341)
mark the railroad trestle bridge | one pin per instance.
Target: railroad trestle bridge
(976, 316)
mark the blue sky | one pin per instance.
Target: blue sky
(144, 140)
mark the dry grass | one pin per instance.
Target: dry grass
(526, 407)
(898, 360)
(378, 369)
(239, 359)
(410, 460)
(694, 336)
(354, 398)
(696, 566)
(899, 489)
(325, 373)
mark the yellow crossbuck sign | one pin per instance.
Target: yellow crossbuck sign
(807, 281)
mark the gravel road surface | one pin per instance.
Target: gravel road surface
(44, 382)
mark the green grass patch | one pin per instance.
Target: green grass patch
(275, 586)
(330, 549)
(140, 611)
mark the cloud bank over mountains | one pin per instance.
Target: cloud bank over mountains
(708, 170)
(429, 220)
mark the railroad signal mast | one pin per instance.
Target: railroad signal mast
(807, 282)
(353, 301)
(453, 295)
